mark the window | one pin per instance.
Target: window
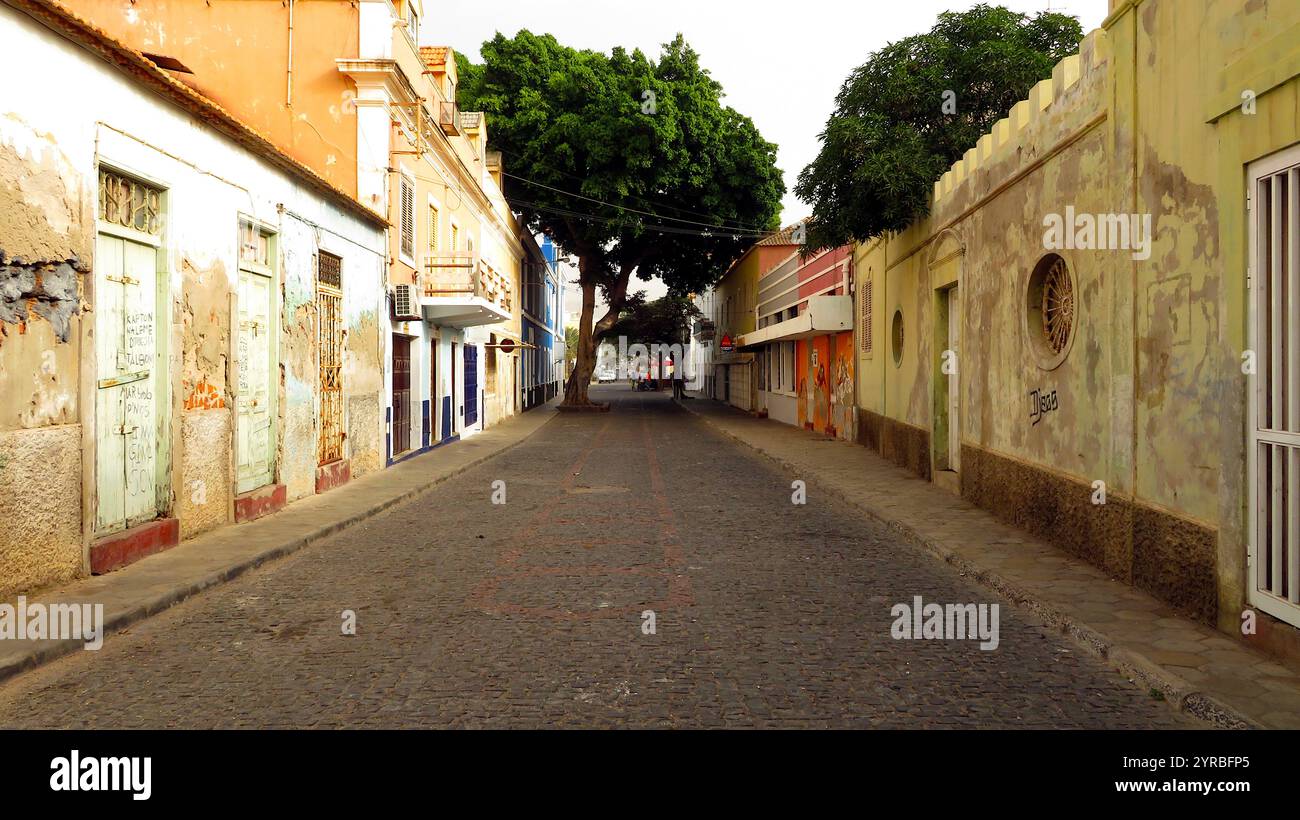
(254, 245)
(896, 337)
(329, 305)
(432, 230)
(455, 237)
(329, 270)
(865, 331)
(780, 367)
(407, 218)
(131, 204)
(412, 22)
(1049, 311)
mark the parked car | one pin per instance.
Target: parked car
(607, 375)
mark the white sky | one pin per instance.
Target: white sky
(780, 63)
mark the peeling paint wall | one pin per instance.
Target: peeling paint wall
(1149, 396)
(49, 161)
(45, 229)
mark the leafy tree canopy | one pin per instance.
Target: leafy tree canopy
(666, 320)
(632, 164)
(647, 135)
(891, 136)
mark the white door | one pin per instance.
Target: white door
(1274, 386)
(255, 401)
(954, 380)
(126, 417)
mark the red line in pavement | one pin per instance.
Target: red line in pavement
(678, 591)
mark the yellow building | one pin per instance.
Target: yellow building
(1093, 333)
(731, 374)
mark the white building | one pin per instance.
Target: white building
(198, 297)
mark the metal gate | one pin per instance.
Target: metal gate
(1274, 455)
(471, 385)
(401, 394)
(329, 305)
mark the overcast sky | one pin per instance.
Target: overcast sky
(779, 63)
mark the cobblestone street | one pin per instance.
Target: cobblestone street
(529, 614)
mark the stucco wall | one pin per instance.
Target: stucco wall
(40, 503)
(48, 187)
(1150, 397)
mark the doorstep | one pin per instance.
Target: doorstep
(121, 548)
(334, 474)
(254, 504)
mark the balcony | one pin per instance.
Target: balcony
(460, 291)
(824, 314)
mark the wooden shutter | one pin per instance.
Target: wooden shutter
(408, 219)
(865, 331)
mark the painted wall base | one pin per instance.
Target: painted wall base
(334, 474)
(901, 443)
(263, 501)
(119, 549)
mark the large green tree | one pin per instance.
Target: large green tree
(633, 165)
(914, 107)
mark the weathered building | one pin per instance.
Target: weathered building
(356, 98)
(805, 341)
(734, 372)
(165, 277)
(1094, 332)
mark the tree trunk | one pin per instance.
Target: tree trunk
(575, 392)
(589, 332)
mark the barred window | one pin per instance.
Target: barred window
(129, 202)
(329, 270)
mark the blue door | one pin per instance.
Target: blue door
(471, 385)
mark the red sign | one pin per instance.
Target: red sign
(726, 344)
(507, 345)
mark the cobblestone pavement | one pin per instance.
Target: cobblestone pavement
(471, 614)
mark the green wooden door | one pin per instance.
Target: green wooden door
(126, 413)
(255, 402)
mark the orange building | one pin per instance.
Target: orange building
(804, 340)
(345, 87)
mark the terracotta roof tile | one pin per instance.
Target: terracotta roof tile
(434, 55)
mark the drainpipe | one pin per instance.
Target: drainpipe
(288, 91)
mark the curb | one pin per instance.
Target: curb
(1139, 669)
(43, 652)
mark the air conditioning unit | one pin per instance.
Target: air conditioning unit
(406, 302)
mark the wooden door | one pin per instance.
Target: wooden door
(254, 403)
(126, 338)
(401, 394)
